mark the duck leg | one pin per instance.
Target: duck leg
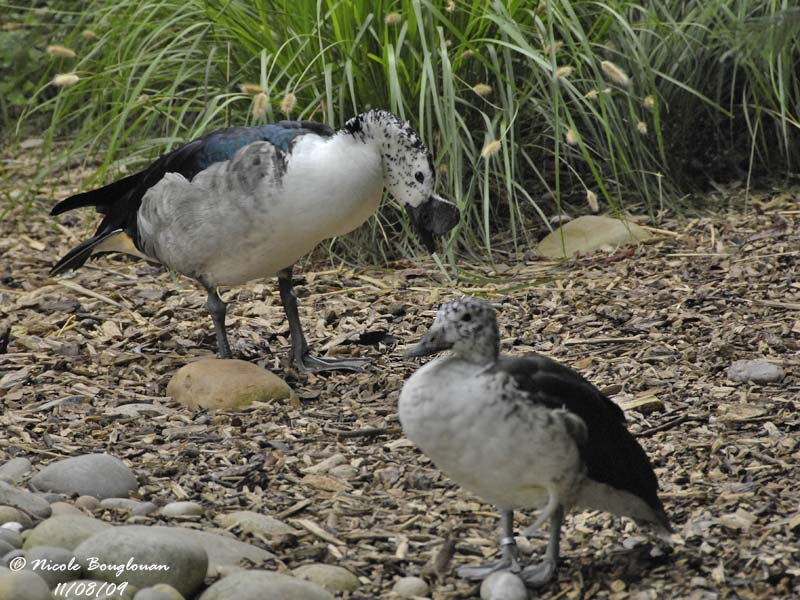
(306, 362)
(509, 553)
(217, 308)
(538, 575)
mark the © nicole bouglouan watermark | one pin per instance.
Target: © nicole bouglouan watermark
(92, 567)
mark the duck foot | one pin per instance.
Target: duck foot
(313, 364)
(538, 575)
(481, 572)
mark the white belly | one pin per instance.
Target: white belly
(508, 452)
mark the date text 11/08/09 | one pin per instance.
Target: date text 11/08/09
(89, 589)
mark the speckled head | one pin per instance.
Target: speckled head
(468, 327)
(408, 172)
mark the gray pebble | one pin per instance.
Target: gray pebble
(9, 514)
(134, 507)
(24, 500)
(181, 509)
(22, 585)
(10, 536)
(330, 577)
(99, 475)
(259, 585)
(503, 585)
(410, 587)
(758, 371)
(89, 503)
(15, 469)
(162, 591)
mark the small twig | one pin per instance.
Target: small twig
(369, 432)
(670, 424)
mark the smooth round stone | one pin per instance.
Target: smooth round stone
(5, 547)
(503, 585)
(22, 585)
(134, 507)
(6, 559)
(89, 589)
(758, 371)
(12, 526)
(181, 509)
(15, 469)
(162, 591)
(330, 577)
(409, 587)
(9, 514)
(24, 500)
(98, 475)
(10, 536)
(221, 384)
(255, 523)
(53, 564)
(64, 508)
(183, 565)
(260, 585)
(89, 503)
(64, 531)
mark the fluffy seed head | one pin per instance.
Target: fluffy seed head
(451, 6)
(564, 71)
(554, 47)
(60, 51)
(642, 127)
(260, 102)
(89, 34)
(591, 200)
(288, 103)
(572, 136)
(591, 95)
(251, 88)
(482, 89)
(392, 18)
(142, 99)
(467, 54)
(649, 102)
(614, 73)
(65, 79)
(491, 148)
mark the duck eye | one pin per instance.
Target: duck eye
(419, 176)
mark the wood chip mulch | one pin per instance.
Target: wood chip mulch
(85, 362)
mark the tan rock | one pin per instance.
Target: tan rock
(225, 384)
(589, 233)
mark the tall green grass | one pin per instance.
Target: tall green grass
(516, 98)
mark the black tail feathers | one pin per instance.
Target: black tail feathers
(103, 198)
(76, 257)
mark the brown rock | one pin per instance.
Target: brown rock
(225, 384)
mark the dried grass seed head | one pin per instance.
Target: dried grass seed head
(615, 73)
(649, 102)
(491, 148)
(392, 18)
(482, 89)
(572, 136)
(288, 103)
(60, 51)
(65, 79)
(642, 127)
(564, 71)
(260, 103)
(251, 88)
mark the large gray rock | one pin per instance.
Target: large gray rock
(129, 505)
(589, 233)
(98, 475)
(330, 577)
(145, 556)
(9, 536)
(259, 585)
(53, 564)
(503, 585)
(22, 585)
(64, 531)
(24, 501)
(15, 469)
(9, 514)
(225, 384)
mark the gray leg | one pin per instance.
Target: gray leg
(304, 361)
(216, 307)
(509, 553)
(538, 575)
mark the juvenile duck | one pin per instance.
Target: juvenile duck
(522, 432)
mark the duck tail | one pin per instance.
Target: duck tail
(102, 198)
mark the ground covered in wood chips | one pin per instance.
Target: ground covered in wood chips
(656, 327)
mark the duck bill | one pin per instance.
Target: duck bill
(431, 343)
(433, 218)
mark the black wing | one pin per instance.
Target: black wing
(611, 454)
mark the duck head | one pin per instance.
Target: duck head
(409, 173)
(468, 327)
